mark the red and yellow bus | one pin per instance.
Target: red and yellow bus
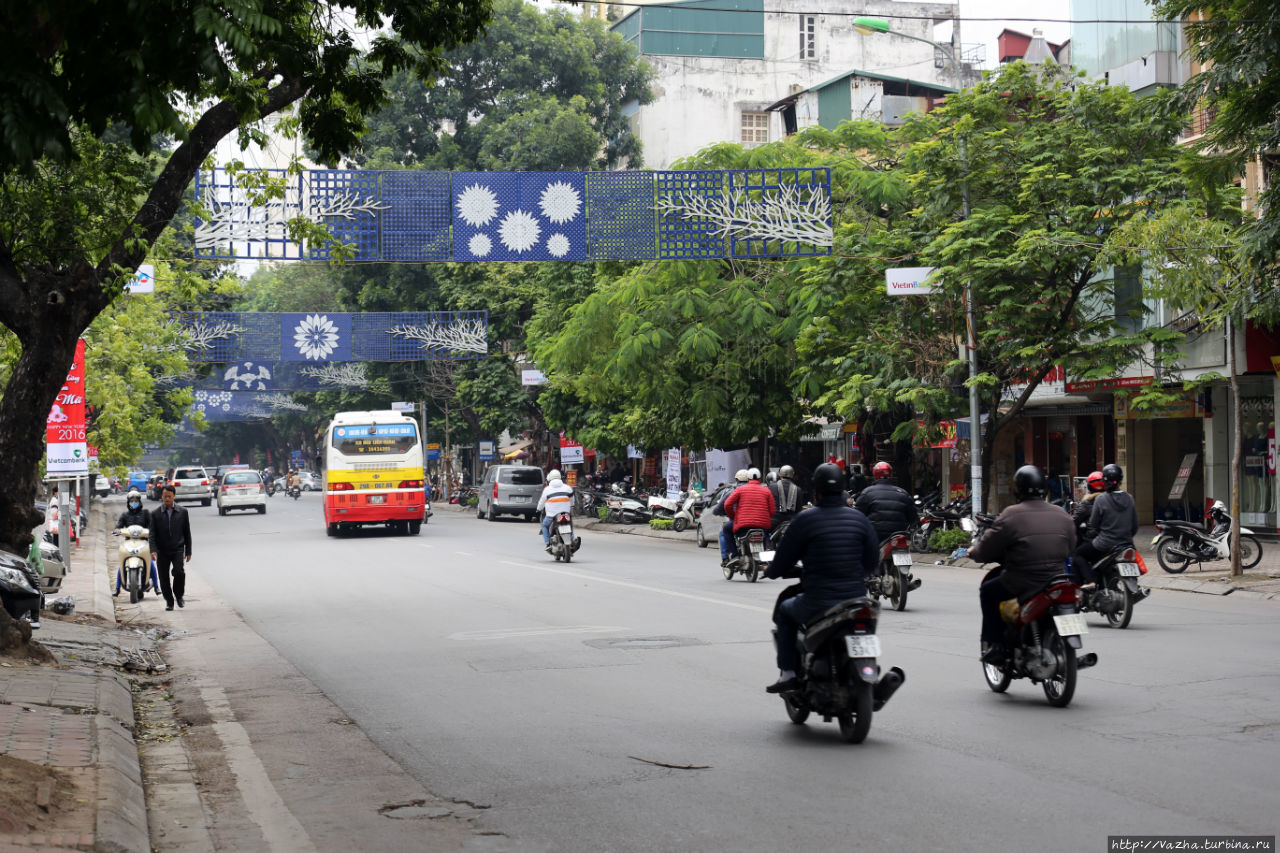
(373, 472)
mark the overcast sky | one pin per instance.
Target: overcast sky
(1023, 16)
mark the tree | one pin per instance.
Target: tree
(1238, 44)
(78, 214)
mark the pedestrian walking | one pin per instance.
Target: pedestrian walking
(171, 546)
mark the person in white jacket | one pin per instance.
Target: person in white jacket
(556, 497)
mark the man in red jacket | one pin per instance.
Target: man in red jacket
(752, 505)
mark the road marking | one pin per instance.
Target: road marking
(755, 608)
(534, 632)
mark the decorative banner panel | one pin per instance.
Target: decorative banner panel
(254, 341)
(285, 376)
(228, 406)
(520, 216)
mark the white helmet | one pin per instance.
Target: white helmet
(554, 474)
(753, 474)
(741, 476)
(133, 493)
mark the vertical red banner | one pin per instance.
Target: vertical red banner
(65, 434)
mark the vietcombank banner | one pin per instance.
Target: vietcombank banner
(68, 452)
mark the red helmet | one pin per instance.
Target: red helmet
(881, 471)
(1095, 481)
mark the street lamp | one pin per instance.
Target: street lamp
(877, 26)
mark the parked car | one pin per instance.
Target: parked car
(309, 482)
(511, 489)
(192, 484)
(242, 490)
(137, 480)
(708, 526)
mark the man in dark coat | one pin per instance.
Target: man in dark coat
(1113, 522)
(889, 507)
(838, 547)
(1031, 541)
(171, 546)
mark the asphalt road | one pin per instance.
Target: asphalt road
(540, 692)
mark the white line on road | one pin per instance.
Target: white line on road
(755, 608)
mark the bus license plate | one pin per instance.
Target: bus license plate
(1129, 570)
(1070, 624)
(902, 558)
(377, 499)
(862, 645)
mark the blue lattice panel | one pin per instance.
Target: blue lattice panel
(416, 223)
(348, 204)
(370, 337)
(519, 216)
(242, 222)
(689, 230)
(780, 213)
(621, 222)
(276, 376)
(439, 335)
(231, 406)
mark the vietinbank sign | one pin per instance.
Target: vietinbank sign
(67, 452)
(908, 281)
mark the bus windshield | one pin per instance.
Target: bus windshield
(374, 439)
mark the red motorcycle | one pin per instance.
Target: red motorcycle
(892, 578)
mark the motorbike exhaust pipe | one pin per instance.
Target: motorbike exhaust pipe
(1179, 552)
(886, 687)
(1086, 661)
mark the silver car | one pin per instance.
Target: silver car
(242, 490)
(192, 484)
(708, 526)
(511, 489)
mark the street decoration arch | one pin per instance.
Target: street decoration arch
(408, 216)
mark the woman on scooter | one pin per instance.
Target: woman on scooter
(135, 514)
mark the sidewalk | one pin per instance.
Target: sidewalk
(69, 772)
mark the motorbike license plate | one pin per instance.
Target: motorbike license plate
(519, 499)
(566, 530)
(757, 548)
(1129, 570)
(1070, 624)
(902, 558)
(377, 499)
(862, 645)
(967, 525)
(767, 556)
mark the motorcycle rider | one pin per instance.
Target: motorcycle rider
(556, 497)
(838, 546)
(1113, 521)
(750, 505)
(1031, 540)
(1080, 513)
(786, 494)
(728, 547)
(135, 514)
(890, 508)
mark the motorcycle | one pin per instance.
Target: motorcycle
(839, 675)
(1117, 588)
(135, 557)
(20, 588)
(892, 579)
(624, 510)
(272, 488)
(1042, 636)
(752, 557)
(294, 492)
(563, 543)
(1179, 543)
(934, 517)
(663, 507)
(686, 516)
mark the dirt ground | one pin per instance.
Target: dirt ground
(70, 799)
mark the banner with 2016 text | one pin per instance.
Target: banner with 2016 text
(67, 449)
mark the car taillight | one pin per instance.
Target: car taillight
(204, 482)
(341, 487)
(226, 489)
(495, 491)
(410, 484)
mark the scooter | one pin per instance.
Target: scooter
(563, 543)
(135, 555)
(753, 557)
(294, 492)
(839, 675)
(663, 507)
(687, 513)
(893, 579)
(624, 510)
(1179, 543)
(1117, 589)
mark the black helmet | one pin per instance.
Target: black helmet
(1112, 476)
(1029, 482)
(828, 479)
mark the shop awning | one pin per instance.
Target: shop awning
(830, 431)
(962, 427)
(513, 450)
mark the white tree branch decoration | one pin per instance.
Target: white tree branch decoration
(461, 335)
(785, 215)
(346, 374)
(203, 336)
(281, 402)
(238, 219)
(347, 205)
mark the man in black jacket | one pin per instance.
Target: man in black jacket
(171, 546)
(1113, 522)
(889, 508)
(1031, 541)
(838, 546)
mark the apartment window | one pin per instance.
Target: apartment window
(808, 36)
(755, 128)
(1129, 308)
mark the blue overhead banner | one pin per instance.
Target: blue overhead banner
(402, 216)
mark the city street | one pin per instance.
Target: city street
(547, 698)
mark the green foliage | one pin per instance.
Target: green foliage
(602, 513)
(662, 523)
(946, 541)
(473, 501)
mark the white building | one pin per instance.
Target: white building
(721, 64)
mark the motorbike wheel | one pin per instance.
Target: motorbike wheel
(135, 586)
(680, 525)
(753, 571)
(1120, 619)
(1059, 689)
(797, 712)
(1250, 551)
(855, 725)
(920, 539)
(1170, 562)
(898, 598)
(479, 511)
(568, 552)
(998, 676)
(728, 572)
(702, 538)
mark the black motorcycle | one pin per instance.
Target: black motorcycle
(753, 556)
(839, 676)
(892, 578)
(294, 492)
(563, 543)
(1178, 544)
(1117, 588)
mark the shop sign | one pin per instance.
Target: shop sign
(571, 452)
(1054, 384)
(673, 473)
(1185, 470)
(1114, 384)
(433, 451)
(532, 377)
(487, 451)
(908, 281)
(1189, 405)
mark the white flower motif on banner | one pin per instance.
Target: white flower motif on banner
(558, 245)
(315, 337)
(249, 378)
(519, 231)
(477, 205)
(560, 202)
(479, 244)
